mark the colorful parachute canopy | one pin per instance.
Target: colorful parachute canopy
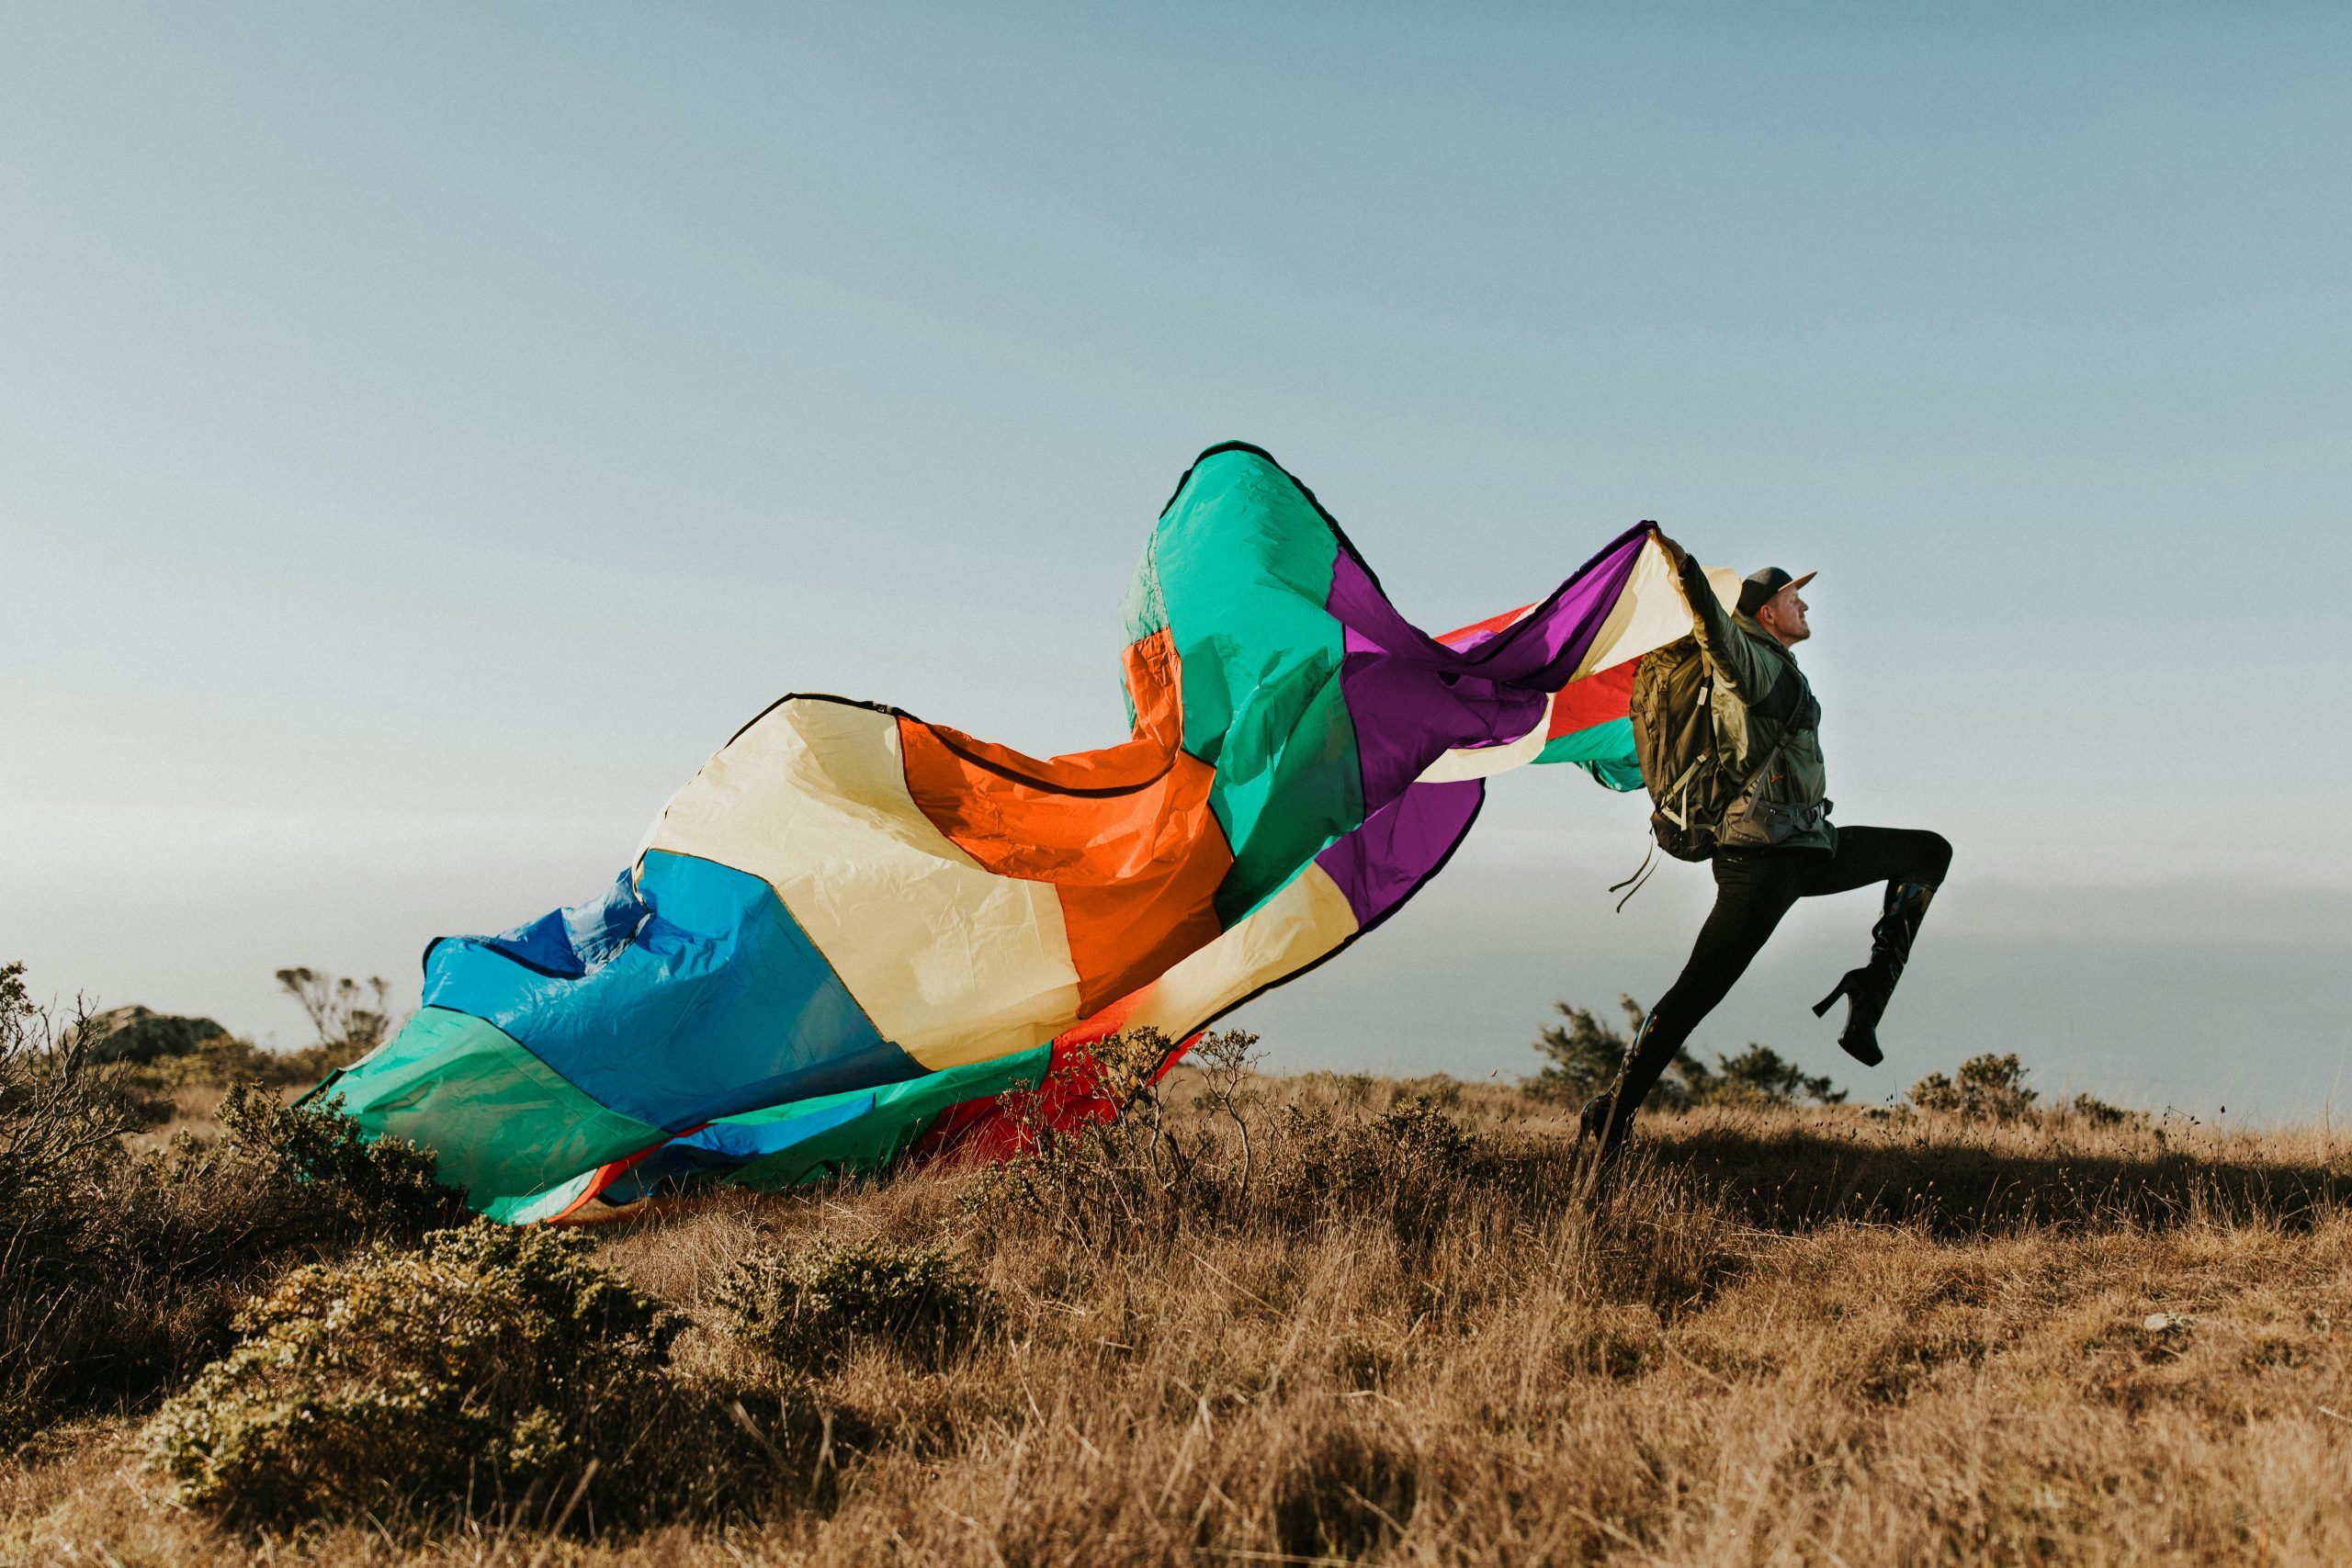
(852, 922)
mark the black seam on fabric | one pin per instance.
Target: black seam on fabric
(1339, 535)
(814, 697)
(1478, 655)
(1106, 792)
(1297, 484)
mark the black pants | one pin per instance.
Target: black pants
(1753, 889)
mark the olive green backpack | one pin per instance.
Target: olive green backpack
(1674, 739)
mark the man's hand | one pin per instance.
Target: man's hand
(1675, 554)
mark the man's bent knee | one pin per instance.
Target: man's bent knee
(1938, 862)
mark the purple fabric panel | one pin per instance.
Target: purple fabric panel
(1360, 606)
(1408, 709)
(1477, 640)
(1379, 865)
(1412, 698)
(1543, 649)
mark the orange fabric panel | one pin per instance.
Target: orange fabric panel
(1125, 834)
(1461, 634)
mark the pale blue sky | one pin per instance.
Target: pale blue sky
(428, 430)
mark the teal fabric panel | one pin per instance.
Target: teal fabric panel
(1241, 564)
(505, 1124)
(1604, 750)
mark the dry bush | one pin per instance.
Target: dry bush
(486, 1373)
(122, 1256)
(1987, 1088)
(61, 1107)
(350, 1017)
(812, 1308)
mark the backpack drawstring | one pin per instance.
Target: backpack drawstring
(1642, 874)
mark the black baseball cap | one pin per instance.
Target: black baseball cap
(1758, 589)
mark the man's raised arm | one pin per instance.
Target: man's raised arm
(1735, 657)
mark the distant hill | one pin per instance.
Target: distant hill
(136, 1033)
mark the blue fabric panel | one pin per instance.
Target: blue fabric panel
(545, 945)
(597, 931)
(724, 1147)
(693, 997)
(747, 1141)
(569, 942)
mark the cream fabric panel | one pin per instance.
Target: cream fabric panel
(1650, 612)
(952, 963)
(1293, 929)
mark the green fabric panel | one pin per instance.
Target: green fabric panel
(531, 1208)
(901, 1113)
(452, 1082)
(1241, 561)
(1143, 614)
(1604, 750)
(1143, 611)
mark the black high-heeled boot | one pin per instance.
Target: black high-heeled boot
(1868, 989)
(1607, 1115)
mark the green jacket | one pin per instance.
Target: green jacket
(1760, 698)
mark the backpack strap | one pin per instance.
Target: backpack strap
(1674, 792)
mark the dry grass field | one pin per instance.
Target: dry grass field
(1405, 1324)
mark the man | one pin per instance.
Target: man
(1767, 727)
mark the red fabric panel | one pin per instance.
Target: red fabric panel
(1599, 697)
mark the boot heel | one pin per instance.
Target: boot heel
(1826, 1003)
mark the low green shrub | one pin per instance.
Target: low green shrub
(1319, 1156)
(224, 1060)
(809, 1308)
(1585, 1054)
(482, 1374)
(140, 1035)
(1987, 1088)
(1420, 1129)
(2094, 1111)
(330, 1181)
